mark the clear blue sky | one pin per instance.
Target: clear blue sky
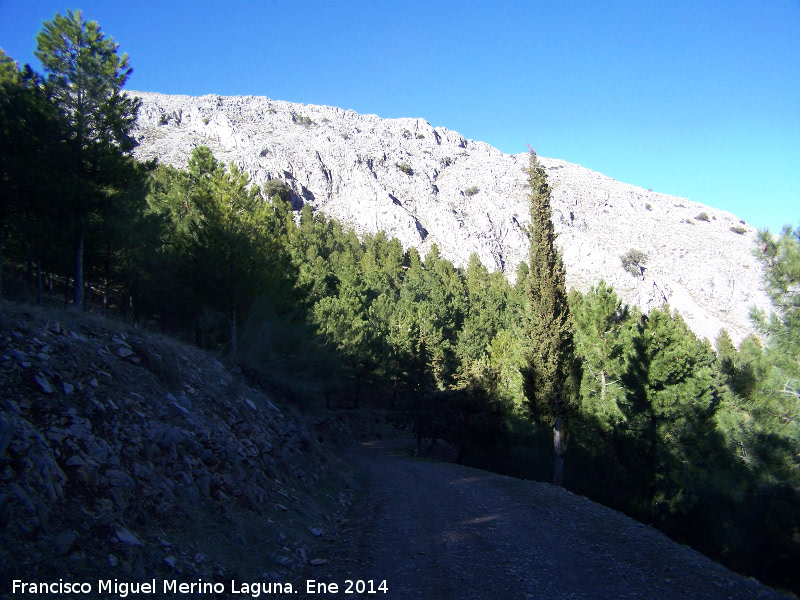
(692, 98)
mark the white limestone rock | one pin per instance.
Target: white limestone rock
(427, 185)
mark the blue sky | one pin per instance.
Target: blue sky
(692, 98)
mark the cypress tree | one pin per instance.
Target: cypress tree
(548, 376)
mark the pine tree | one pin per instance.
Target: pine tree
(29, 141)
(781, 260)
(603, 328)
(670, 404)
(232, 257)
(85, 76)
(550, 371)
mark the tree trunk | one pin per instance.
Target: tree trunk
(66, 292)
(358, 386)
(232, 320)
(2, 237)
(603, 388)
(558, 445)
(558, 466)
(199, 334)
(38, 280)
(79, 265)
(28, 264)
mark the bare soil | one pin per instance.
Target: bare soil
(431, 529)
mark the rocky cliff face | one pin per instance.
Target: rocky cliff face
(427, 185)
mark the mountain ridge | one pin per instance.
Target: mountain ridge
(429, 185)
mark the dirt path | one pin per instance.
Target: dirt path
(438, 531)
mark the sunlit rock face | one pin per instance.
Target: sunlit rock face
(428, 185)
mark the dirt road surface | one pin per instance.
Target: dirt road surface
(435, 530)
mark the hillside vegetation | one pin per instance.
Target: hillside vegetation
(648, 418)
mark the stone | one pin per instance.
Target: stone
(19, 355)
(67, 387)
(119, 478)
(80, 429)
(6, 431)
(44, 383)
(127, 537)
(75, 461)
(64, 541)
(180, 409)
(316, 531)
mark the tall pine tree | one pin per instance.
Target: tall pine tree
(549, 375)
(85, 76)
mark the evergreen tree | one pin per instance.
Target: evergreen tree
(485, 313)
(781, 260)
(603, 331)
(233, 257)
(550, 371)
(85, 76)
(30, 160)
(669, 408)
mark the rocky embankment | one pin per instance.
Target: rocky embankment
(426, 185)
(128, 455)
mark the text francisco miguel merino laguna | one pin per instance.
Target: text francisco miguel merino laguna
(122, 589)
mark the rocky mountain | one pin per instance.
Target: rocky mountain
(427, 185)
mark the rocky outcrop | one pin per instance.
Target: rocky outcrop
(128, 455)
(427, 185)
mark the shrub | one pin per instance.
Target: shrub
(648, 207)
(277, 187)
(420, 136)
(739, 230)
(471, 191)
(302, 120)
(406, 134)
(703, 216)
(633, 262)
(405, 168)
(448, 161)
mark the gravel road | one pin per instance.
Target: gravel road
(437, 530)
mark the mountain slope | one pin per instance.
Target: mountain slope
(127, 454)
(427, 185)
